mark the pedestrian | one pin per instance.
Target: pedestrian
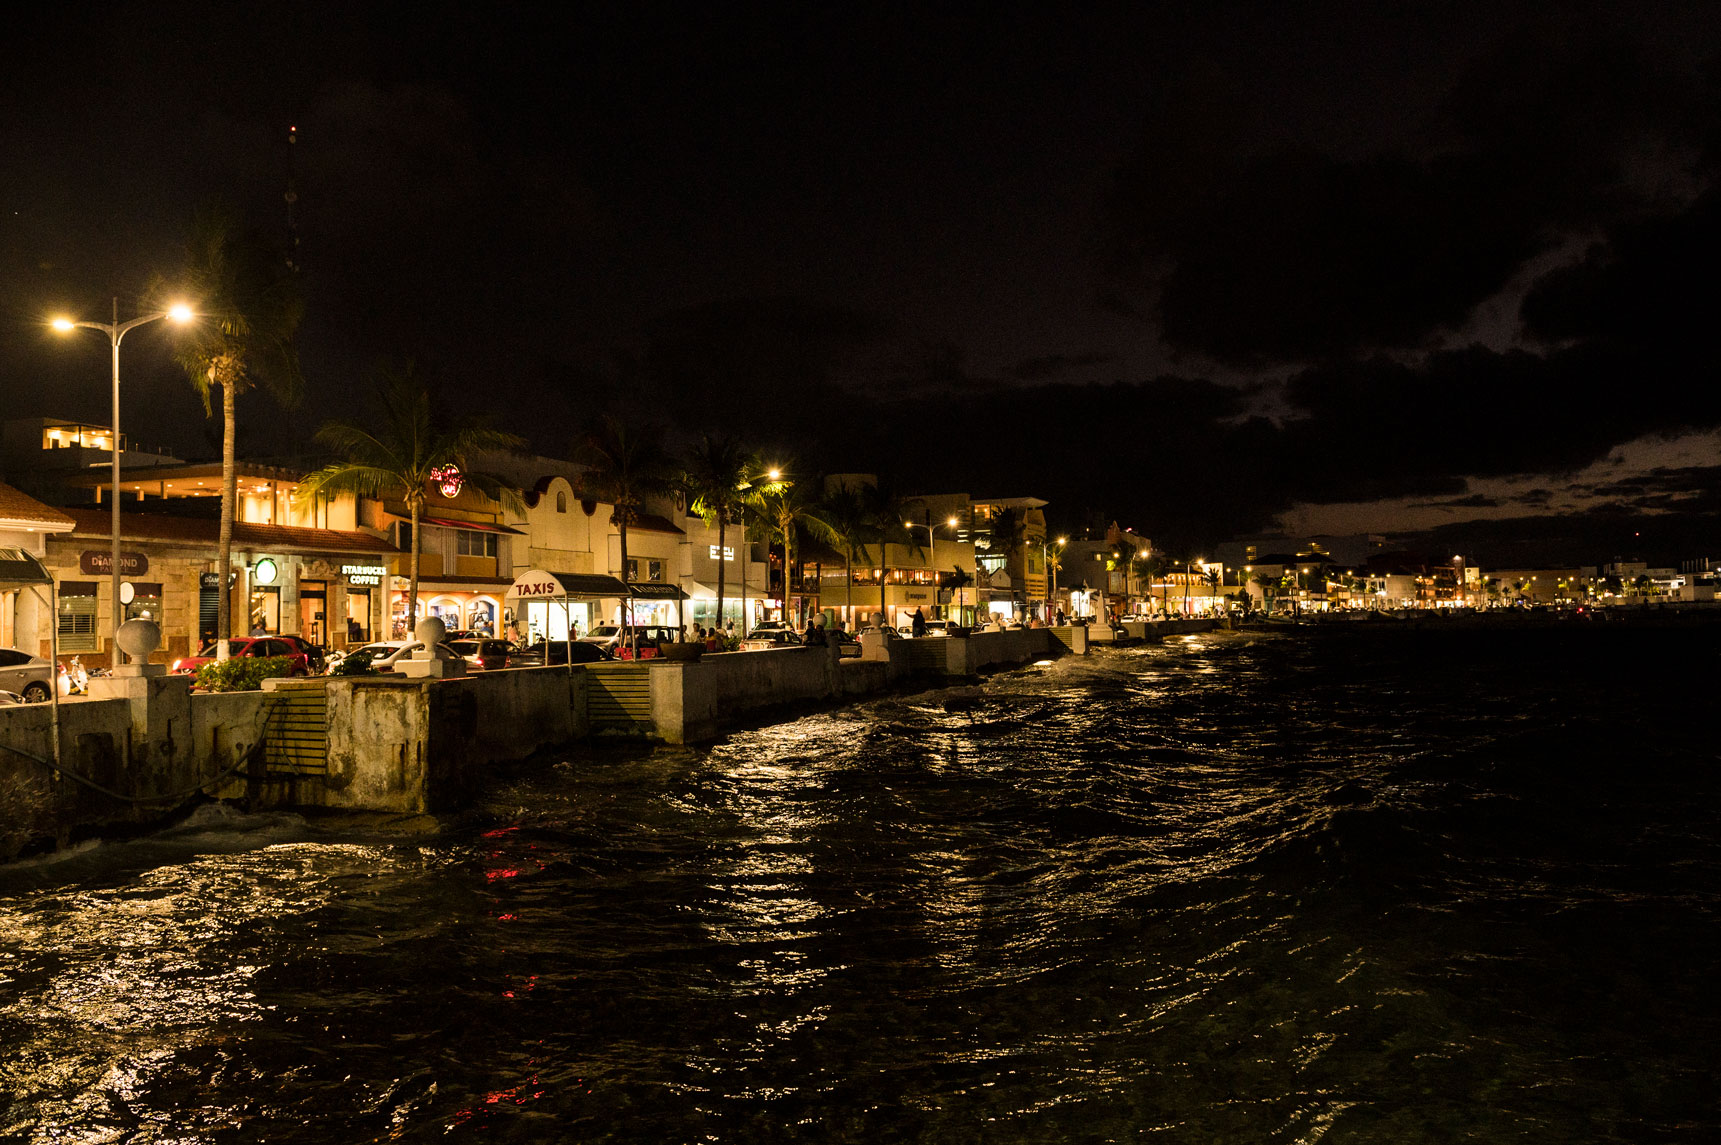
(917, 623)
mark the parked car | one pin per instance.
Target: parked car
(646, 637)
(315, 655)
(29, 676)
(11, 698)
(250, 646)
(770, 637)
(546, 653)
(483, 653)
(847, 643)
(384, 654)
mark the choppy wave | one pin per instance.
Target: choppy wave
(1232, 888)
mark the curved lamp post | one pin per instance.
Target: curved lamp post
(117, 330)
(1051, 570)
(770, 476)
(931, 548)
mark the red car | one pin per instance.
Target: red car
(255, 646)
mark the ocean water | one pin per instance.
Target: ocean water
(1349, 887)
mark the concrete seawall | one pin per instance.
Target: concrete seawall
(150, 746)
(143, 752)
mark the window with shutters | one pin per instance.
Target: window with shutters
(77, 619)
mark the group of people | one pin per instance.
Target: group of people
(713, 637)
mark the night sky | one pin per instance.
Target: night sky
(1446, 268)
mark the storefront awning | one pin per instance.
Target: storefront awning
(707, 590)
(656, 591)
(475, 526)
(18, 569)
(540, 585)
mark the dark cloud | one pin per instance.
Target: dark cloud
(1683, 489)
(1474, 501)
(1647, 290)
(1051, 366)
(1252, 257)
(1605, 534)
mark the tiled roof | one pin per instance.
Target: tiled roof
(652, 523)
(204, 530)
(16, 506)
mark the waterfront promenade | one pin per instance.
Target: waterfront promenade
(142, 749)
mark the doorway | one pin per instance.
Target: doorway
(313, 611)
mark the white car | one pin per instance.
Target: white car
(29, 676)
(384, 654)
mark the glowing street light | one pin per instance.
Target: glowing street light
(116, 330)
(931, 548)
(1052, 569)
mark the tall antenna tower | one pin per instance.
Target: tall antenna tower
(292, 198)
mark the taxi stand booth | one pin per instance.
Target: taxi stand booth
(567, 589)
(19, 570)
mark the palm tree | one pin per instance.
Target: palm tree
(846, 524)
(1269, 584)
(624, 466)
(788, 506)
(414, 438)
(250, 306)
(1157, 568)
(1008, 536)
(719, 470)
(888, 512)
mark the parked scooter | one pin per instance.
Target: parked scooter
(74, 680)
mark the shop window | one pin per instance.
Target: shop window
(77, 619)
(358, 617)
(145, 602)
(653, 570)
(265, 610)
(474, 544)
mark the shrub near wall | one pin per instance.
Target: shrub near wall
(242, 673)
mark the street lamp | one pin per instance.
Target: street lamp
(931, 548)
(115, 331)
(747, 488)
(1051, 570)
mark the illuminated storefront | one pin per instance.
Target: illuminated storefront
(285, 580)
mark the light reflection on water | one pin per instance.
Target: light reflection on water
(1212, 891)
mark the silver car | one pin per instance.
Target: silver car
(29, 676)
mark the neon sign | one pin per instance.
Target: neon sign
(448, 478)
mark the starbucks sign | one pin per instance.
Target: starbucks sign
(364, 575)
